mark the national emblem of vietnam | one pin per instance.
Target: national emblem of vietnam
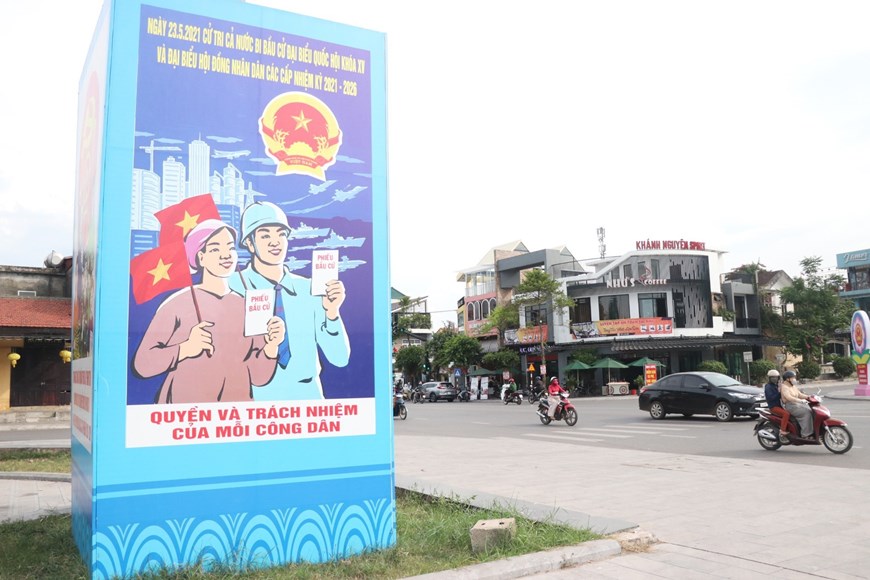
(301, 134)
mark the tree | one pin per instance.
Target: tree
(818, 312)
(502, 317)
(540, 289)
(403, 319)
(463, 351)
(436, 348)
(411, 360)
(503, 359)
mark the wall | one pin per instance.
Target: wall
(45, 282)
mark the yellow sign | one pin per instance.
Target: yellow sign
(531, 368)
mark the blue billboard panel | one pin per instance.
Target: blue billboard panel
(240, 293)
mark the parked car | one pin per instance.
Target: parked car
(436, 390)
(700, 393)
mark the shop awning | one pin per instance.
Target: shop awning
(648, 344)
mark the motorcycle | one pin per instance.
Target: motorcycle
(831, 432)
(418, 395)
(513, 397)
(399, 409)
(565, 411)
(464, 395)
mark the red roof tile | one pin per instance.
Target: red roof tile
(36, 312)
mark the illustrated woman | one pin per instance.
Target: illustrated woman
(197, 335)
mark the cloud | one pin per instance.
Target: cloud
(218, 139)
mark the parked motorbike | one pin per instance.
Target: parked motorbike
(464, 395)
(418, 395)
(831, 432)
(399, 409)
(564, 412)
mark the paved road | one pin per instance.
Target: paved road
(795, 513)
(616, 422)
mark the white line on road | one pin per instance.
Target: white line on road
(657, 428)
(679, 436)
(598, 433)
(480, 423)
(633, 431)
(559, 437)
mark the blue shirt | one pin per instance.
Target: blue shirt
(307, 329)
(771, 393)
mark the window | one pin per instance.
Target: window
(581, 311)
(480, 283)
(536, 315)
(27, 293)
(654, 266)
(693, 383)
(626, 271)
(653, 305)
(613, 307)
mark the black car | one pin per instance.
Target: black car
(700, 393)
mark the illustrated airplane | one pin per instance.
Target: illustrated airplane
(342, 195)
(230, 154)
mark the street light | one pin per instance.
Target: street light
(13, 357)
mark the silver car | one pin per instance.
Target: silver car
(436, 390)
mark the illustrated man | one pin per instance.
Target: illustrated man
(311, 321)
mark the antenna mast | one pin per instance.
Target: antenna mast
(601, 246)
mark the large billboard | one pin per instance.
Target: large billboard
(240, 318)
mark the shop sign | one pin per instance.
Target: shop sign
(631, 282)
(528, 335)
(640, 326)
(669, 245)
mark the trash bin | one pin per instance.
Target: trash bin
(605, 390)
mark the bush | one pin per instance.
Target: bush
(758, 370)
(808, 369)
(713, 366)
(843, 366)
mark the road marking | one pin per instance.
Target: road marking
(559, 437)
(598, 433)
(633, 431)
(660, 428)
(480, 423)
(678, 436)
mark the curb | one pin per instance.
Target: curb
(36, 476)
(536, 563)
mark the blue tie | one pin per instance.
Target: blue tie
(284, 347)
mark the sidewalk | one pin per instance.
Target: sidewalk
(707, 513)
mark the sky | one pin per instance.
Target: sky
(741, 124)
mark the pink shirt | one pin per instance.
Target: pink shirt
(237, 364)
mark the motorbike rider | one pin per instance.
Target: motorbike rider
(774, 401)
(508, 389)
(538, 387)
(554, 389)
(794, 401)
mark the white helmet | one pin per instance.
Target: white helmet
(773, 374)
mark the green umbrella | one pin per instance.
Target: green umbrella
(641, 362)
(577, 365)
(608, 363)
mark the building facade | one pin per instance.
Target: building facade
(666, 300)
(35, 326)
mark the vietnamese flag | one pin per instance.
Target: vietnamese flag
(177, 220)
(159, 270)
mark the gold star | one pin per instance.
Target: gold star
(188, 223)
(301, 121)
(160, 272)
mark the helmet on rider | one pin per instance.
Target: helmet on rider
(789, 375)
(260, 214)
(773, 375)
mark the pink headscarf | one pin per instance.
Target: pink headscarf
(199, 235)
